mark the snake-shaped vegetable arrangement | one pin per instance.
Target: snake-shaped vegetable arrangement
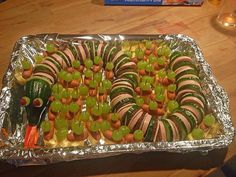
(120, 92)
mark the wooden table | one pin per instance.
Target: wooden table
(23, 17)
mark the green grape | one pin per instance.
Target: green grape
(166, 51)
(148, 79)
(160, 98)
(97, 60)
(142, 64)
(128, 53)
(57, 88)
(38, 58)
(114, 117)
(153, 105)
(159, 89)
(148, 44)
(97, 77)
(88, 63)
(107, 84)
(46, 126)
(106, 108)
(171, 75)
(84, 116)
(171, 88)
(77, 127)
(160, 51)
(117, 135)
(197, 133)
(138, 135)
(172, 105)
(161, 73)
(139, 53)
(50, 47)
(56, 106)
(97, 110)
(61, 123)
(161, 61)
(152, 59)
(65, 93)
(26, 64)
(74, 107)
(102, 89)
(94, 126)
(74, 93)
(65, 108)
(62, 74)
(93, 84)
(88, 73)
(83, 90)
(209, 120)
(145, 86)
(57, 96)
(76, 75)
(105, 125)
(76, 64)
(68, 77)
(61, 134)
(149, 68)
(139, 101)
(124, 130)
(90, 101)
(109, 66)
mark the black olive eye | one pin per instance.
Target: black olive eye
(24, 101)
(38, 102)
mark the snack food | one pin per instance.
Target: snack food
(121, 92)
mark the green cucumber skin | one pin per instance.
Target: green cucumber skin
(186, 114)
(122, 102)
(148, 137)
(36, 88)
(180, 126)
(184, 63)
(169, 133)
(128, 115)
(115, 92)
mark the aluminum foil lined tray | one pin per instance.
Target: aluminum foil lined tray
(11, 118)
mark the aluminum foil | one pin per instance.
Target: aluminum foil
(13, 121)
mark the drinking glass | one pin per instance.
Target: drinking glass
(227, 14)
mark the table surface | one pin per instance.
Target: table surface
(23, 17)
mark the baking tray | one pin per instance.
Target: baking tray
(12, 120)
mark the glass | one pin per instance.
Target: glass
(227, 14)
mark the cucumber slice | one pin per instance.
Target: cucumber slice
(196, 110)
(198, 95)
(129, 114)
(54, 62)
(122, 103)
(186, 72)
(169, 132)
(133, 76)
(43, 68)
(117, 91)
(190, 78)
(191, 88)
(190, 117)
(124, 79)
(148, 135)
(65, 58)
(184, 63)
(175, 55)
(180, 125)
